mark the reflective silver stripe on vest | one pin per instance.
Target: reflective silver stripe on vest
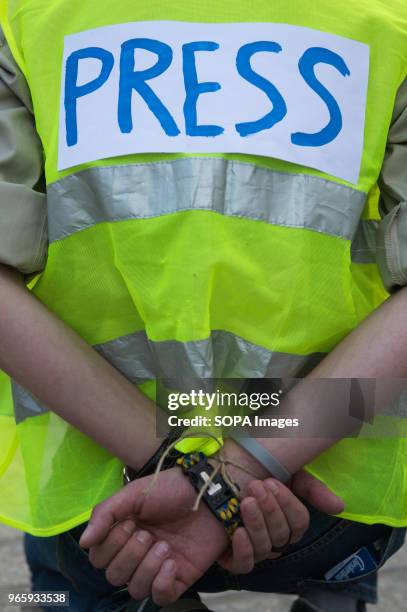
(231, 188)
(223, 355)
(364, 244)
(25, 404)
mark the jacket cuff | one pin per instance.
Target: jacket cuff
(23, 228)
(391, 254)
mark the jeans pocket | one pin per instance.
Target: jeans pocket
(362, 583)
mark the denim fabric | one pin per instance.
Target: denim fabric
(59, 563)
(327, 542)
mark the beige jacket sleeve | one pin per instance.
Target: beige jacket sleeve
(392, 232)
(23, 217)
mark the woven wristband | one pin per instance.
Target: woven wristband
(219, 497)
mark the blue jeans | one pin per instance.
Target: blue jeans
(58, 563)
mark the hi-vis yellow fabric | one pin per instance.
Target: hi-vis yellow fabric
(277, 286)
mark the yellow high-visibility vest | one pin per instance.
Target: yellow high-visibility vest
(210, 167)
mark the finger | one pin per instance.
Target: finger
(256, 527)
(243, 554)
(140, 584)
(163, 589)
(294, 511)
(316, 493)
(239, 557)
(226, 559)
(128, 559)
(116, 508)
(275, 519)
(100, 556)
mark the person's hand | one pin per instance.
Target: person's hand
(162, 546)
(316, 493)
(127, 549)
(274, 518)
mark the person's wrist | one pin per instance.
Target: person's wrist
(231, 451)
(164, 454)
(141, 458)
(217, 529)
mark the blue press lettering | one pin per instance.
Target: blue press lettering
(135, 80)
(307, 63)
(265, 89)
(73, 91)
(244, 68)
(194, 89)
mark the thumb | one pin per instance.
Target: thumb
(125, 503)
(316, 493)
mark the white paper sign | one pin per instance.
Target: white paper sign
(261, 88)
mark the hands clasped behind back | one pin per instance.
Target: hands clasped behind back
(159, 546)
